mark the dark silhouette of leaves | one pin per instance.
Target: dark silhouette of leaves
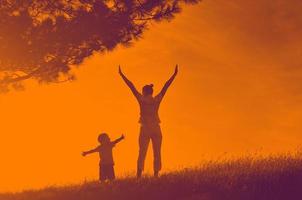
(43, 39)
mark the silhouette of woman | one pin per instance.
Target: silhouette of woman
(150, 122)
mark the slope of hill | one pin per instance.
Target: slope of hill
(269, 178)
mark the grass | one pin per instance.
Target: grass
(249, 178)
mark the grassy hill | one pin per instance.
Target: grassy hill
(269, 178)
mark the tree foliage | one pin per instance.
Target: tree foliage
(43, 39)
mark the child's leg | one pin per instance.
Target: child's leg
(110, 172)
(102, 173)
(107, 172)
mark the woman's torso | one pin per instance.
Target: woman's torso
(149, 107)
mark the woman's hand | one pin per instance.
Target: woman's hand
(176, 70)
(120, 70)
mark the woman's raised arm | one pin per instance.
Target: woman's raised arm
(129, 83)
(168, 83)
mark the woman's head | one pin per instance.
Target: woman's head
(148, 90)
(103, 138)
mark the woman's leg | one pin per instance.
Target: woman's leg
(156, 145)
(144, 140)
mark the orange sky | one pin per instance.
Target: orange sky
(237, 92)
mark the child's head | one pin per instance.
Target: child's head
(148, 90)
(103, 138)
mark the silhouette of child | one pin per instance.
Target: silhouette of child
(106, 170)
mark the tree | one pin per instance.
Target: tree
(43, 39)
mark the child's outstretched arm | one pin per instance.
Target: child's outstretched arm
(119, 139)
(91, 151)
